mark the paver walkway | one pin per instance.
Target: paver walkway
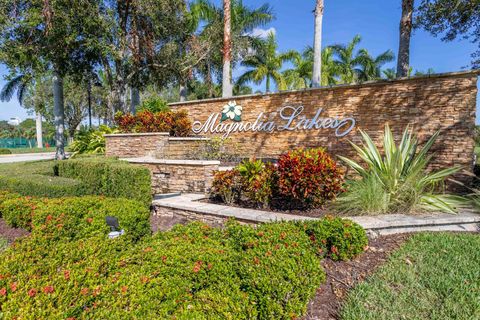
(9, 158)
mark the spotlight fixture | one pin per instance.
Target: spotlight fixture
(115, 231)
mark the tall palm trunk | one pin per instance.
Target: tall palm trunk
(267, 84)
(227, 88)
(39, 132)
(134, 100)
(59, 114)
(183, 92)
(403, 62)
(317, 46)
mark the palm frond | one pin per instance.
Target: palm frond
(10, 87)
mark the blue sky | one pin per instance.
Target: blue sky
(375, 20)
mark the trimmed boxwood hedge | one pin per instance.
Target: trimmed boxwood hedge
(40, 185)
(108, 177)
(84, 176)
(68, 269)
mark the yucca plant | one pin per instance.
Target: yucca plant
(398, 181)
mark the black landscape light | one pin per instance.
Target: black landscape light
(115, 231)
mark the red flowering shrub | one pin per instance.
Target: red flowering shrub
(309, 177)
(6, 195)
(176, 123)
(340, 239)
(68, 269)
(18, 212)
(80, 217)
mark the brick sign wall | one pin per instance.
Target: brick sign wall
(443, 102)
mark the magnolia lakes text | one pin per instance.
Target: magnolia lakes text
(291, 118)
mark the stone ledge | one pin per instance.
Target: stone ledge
(334, 87)
(140, 134)
(150, 160)
(466, 220)
(188, 139)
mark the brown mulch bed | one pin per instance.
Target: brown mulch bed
(10, 233)
(344, 275)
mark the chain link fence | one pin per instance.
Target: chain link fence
(12, 143)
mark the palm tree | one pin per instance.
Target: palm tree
(227, 89)
(389, 73)
(403, 63)
(21, 83)
(241, 90)
(330, 70)
(317, 45)
(300, 76)
(371, 67)
(211, 20)
(347, 60)
(265, 64)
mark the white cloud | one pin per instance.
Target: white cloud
(263, 33)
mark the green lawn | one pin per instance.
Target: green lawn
(31, 150)
(433, 276)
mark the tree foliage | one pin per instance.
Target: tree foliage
(266, 64)
(451, 19)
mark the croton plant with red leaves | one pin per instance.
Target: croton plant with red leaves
(176, 123)
(309, 176)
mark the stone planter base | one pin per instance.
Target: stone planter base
(178, 175)
(188, 207)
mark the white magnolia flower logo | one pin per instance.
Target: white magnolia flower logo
(232, 111)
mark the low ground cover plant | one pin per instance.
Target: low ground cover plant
(67, 268)
(433, 276)
(177, 123)
(5, 151)
(398, 180)
(301, 179)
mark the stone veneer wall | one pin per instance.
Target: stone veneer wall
(133, 145)
(183, 216)
(444, 102)
(185, 148)
(156, 145)
(168, 176)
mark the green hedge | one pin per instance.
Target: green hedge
(38, 185)
(111, 178)
(5, 151)
(78, 177)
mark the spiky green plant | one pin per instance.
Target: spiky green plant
(399, 181)
(90, 141)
